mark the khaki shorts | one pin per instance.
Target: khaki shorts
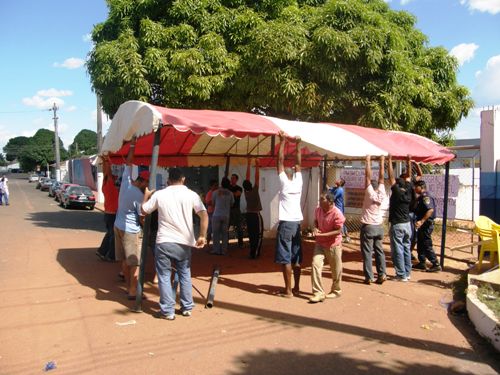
(127, 247)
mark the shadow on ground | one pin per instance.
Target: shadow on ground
(69, 219)
(102, 277)
(282, 362)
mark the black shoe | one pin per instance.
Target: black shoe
(435, 268)
(368, 281)
(419, 266)
(381, 279)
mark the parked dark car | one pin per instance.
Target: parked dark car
(41, 179)
(52, 188)
(78, 196)
(46, 183)
(60, 191)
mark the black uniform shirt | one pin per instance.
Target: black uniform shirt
(233, 189)
(399, 203)
(425, 202)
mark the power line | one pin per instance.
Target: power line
(33, 111)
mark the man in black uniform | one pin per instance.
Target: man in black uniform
(425, 213)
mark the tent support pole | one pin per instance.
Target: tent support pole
(445, 212)
(147, 222)
(324, 173)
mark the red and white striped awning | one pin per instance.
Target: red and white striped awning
(206, 137)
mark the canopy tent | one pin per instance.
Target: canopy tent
(206, 137)
(185, 137)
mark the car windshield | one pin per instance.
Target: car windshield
(80, 190)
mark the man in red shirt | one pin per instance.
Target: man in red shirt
(328, 224)
(110, 191)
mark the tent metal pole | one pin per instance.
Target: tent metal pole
(445, 212)
(147, 222)
(324, 173)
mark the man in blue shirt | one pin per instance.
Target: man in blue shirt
(127, 226)
(339, 197)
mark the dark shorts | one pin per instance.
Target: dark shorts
(288, 243)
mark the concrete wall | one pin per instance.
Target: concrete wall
(490, 163)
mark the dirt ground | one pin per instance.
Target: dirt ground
(61, 303)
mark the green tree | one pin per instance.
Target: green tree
(85, 143)
(40, 150)
(14, 147)
(351, 61)
(3, 162)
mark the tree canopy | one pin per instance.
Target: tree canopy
(15, 147)
(38, 150)
(85, 143)
(348, 61)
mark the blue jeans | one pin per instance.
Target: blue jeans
(165, 254)
(220, 225)
(400, 248)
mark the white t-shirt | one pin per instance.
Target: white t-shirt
(175, 206)
(290, 193)
(375, 203)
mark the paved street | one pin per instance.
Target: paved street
(60, 303)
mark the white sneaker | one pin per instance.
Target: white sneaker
(186, 313)
(402, 279)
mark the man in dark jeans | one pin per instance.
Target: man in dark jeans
(235, 216)
(110, 191)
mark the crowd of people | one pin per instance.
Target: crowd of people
(127, 201)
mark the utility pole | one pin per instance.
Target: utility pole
(99, 125)
(100, 175)
(56, 143)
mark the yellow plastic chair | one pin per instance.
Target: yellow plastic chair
(489, 234)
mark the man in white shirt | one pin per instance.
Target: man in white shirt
(372, 229)
(288, 241)
(4, 190)
(175, 239)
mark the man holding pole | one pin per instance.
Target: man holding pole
(288, 241)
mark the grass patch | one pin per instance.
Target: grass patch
(490, 297)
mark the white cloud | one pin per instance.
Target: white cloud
(71, 109)
(404, 2)
(71, 63)
(87, 38)
(469, 127)
(488, 82)
(43, 103)
(464, 52)
(54, 92)
(489, 6)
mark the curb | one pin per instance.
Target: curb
(485, 322)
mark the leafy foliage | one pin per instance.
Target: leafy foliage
(350, 61)
(14, 147)
(85, 143)
(39, 150)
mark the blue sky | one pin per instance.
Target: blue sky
(45, 43)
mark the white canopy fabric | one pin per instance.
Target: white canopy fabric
(206, 137)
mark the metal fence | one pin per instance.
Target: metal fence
(463, 196)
